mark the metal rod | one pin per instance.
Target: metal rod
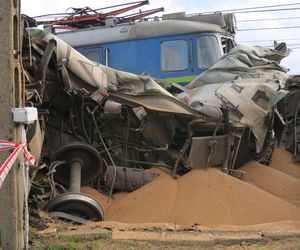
(106, 57)
(75, 177)
(25, 173)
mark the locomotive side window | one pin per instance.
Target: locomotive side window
(174, 55)
(93, 55)
(208, 51)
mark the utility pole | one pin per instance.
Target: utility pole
(11, 193)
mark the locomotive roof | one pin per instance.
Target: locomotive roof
(140, 30)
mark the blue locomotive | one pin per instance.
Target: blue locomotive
(175, 48)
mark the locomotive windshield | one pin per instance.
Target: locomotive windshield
(208, 51)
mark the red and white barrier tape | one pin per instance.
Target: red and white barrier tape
(7, 165)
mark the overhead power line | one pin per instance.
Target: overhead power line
(267, 19)
(289, 45)
(271, 28)
(270, 40)
(268, 10)
(272, 45)
(253, 8)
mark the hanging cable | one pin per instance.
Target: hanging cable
(106, 149)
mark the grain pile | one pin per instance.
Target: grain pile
(151, 203)
(206, 197)
(102, 199)
(272, 180)
(282, 160)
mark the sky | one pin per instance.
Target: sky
(258, 37)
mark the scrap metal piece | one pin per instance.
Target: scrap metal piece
(140, 112)
(241, 151)
(279, 126)
(127, 179)
(80, 205)
(111, 107)
(249, 102)
(201, 151)
(289, 109)
(43, 66)
(183, 150)
(36, 139)
(62, 215)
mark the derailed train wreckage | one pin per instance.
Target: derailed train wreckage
(105, 127)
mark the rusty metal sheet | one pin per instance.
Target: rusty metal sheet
(208, 151)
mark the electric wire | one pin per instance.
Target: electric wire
(106, 149)
(270, 10)
(253, 8)
(270, 40)
(239, 10)
(119, 5)
(272, 45)
(270, 28)
(267, 19)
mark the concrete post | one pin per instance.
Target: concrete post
(11, 193)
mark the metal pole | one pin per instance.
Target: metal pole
(25, 175)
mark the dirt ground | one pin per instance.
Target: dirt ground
(57, 244)
(114, 235)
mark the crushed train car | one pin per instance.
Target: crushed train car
(105, 127)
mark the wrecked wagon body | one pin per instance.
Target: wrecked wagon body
(106, 126)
